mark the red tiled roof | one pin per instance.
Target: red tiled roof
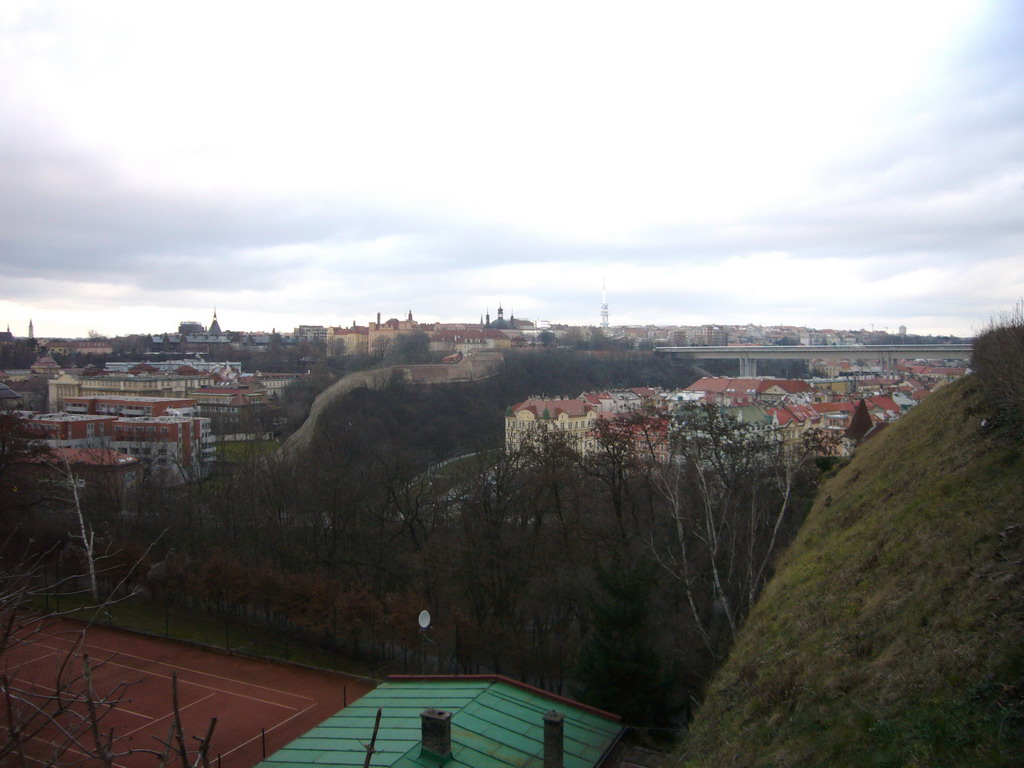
(720, 385)
(795, 412)
(884, 402)
(709, 384)
(823, 408)
(94, 457)
(792, 386)
(782, 415)
(860, 423)
(554, 407)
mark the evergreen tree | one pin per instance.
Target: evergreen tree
(619, 668)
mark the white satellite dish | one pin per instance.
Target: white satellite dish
(424, 619)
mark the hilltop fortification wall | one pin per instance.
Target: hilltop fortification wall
(481, 365)
(471, 368)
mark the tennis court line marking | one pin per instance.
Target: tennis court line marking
(44, 657)
(89, 648)
(153, 721)
(272, 728)
(206, 674)
(214, 688)
(177, 667)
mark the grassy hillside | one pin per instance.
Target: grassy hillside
(893, 632)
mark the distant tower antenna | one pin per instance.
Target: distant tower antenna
(604, 305)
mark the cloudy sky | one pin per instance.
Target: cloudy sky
(807, 163)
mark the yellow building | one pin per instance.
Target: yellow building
(575, 418)
(132, 385)
(348, 341)
(380, 336)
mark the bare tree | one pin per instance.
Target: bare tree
(85, 534)
(63, 720)
(730, 488)
(60, 720)
(999, 360)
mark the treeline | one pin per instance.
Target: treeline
(611, 577)
(525, 559)
(441, 420)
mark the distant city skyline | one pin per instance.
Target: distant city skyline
(798, 163)
(539, 324)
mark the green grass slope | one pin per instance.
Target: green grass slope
(893, 632)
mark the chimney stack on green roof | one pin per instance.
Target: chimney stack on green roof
(554, 741)
(437, 733)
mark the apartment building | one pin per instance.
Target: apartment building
(381, 335)
(234, 410)
(746, 391)
(131, 407)
(70, 430)
(174, 385)
(100, 474)
(348, 341)
(526, 420)
(171, 448)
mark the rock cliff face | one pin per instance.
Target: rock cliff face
(892, 633)
(470, 368)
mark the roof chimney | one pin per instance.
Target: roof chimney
(436, 726)
(554, 731)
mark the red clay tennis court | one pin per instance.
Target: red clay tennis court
(256, 702)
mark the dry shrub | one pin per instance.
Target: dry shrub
(998, 361)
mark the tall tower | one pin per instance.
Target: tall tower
(604, 305)
(31, 332)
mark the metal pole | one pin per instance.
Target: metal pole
(263, 740)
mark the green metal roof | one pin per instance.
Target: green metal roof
(496, 723)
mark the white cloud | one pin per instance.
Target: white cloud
(441, 157)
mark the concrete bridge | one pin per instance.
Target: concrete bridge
(887, 354)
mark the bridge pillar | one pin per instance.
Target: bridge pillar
(748, 367)
(888, 364)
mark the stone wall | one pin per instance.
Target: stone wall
(470, 368)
